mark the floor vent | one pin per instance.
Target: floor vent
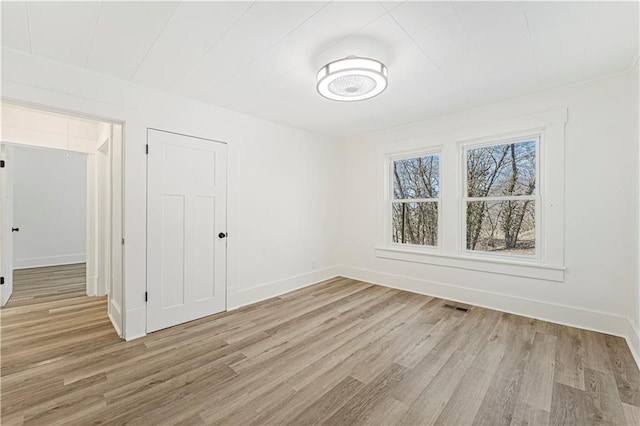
(457, 308)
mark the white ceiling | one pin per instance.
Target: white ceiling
(261, 57)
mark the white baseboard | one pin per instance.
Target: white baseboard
(92, 286)
(116, 317)
(136, 318)
(136, 323)
(115, 324)
(246, 296)
(633, 341)
(36, 262)
(561, 314)
(566, 315)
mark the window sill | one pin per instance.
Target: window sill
(495, 266)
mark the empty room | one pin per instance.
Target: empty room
(320, 212)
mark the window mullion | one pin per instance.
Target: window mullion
(504, 198)
(416, 200)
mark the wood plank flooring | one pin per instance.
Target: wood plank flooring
(48, 284)
(341, 352)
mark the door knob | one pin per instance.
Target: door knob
(15, 229)
(222, 235)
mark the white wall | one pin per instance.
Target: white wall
(601, 214)
(292, 193)
(281, 190)
(25, 126)
(50, 207)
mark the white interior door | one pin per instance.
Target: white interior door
(6, 222)
(186, 228)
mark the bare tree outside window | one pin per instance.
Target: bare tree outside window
(416, 195)
(501, 198)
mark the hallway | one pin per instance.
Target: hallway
(49, 318)
(47, 284)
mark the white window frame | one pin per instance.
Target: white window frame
(548, 264)
(465, 147)
(390, 200)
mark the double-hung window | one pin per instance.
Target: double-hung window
(502, 198)
(415, 199)
(487, 197)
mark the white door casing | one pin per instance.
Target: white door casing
(6, 223)
(186, 212)
(104, 218)
(116, 226)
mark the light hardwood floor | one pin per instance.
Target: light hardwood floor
(341, 352)
(47, 284)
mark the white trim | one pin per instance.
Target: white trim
(72, 113)
(540, 236)
(395, 155)
(505, 198)
(92, 285)
(602, 322)
(415, 200)
(633, 341)
(465, 147)
(389, 200)
(475, 132)
(37, 262)
(115, 324)
(136, 321)
(549, 128)
(496, 265)
(246, 296)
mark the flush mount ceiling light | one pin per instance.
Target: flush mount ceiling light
(352, 79)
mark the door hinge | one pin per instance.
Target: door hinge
(1, 164)
(1, 280)
(147, 149)
(146, 296)
(123, 241)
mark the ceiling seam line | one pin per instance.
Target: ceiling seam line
(396, 5)
(275, 44)
(533, 55)
(422, 50)
(154, 42)
(466, 30)
(634, 62)
(26, 13)
(93, 36)
(214, 44)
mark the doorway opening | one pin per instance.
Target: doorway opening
(61, 218)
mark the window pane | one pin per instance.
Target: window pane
(497, 170)
(502, 226)
(416, 177)
(415, 223)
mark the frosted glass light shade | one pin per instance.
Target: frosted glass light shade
(352, 79)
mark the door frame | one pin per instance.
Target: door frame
(92, 169)
(226, 196)
(6, 236)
